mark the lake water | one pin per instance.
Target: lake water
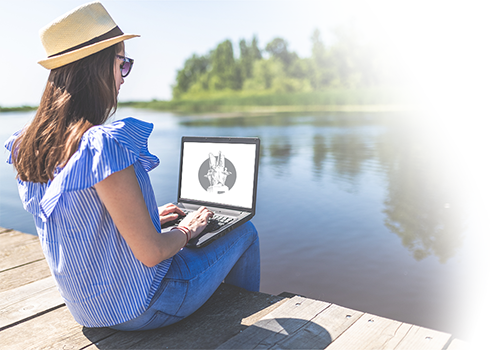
(357, 209)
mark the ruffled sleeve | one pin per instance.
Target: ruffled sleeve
(9, 144)
(103, 150)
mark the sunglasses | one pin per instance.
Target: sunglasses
(126, 65)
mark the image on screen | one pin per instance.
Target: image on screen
(221, 173)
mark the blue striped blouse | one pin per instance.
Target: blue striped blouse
(99, 278)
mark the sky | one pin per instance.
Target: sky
(171, 31)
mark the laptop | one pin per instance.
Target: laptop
(221, 174)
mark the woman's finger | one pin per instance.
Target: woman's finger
(168, 217)
(207, 214)
(170, 208)
(164, 209)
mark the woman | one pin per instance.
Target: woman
(87, 186)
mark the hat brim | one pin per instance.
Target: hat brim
(72, 56)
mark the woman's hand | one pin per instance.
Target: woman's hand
(197, 221)
(169, 212)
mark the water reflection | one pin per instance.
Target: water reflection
(280, 151)
(315, 119)
(241, 121)
(320, 151)
(423, 205)
(349, 152)
(420, 205)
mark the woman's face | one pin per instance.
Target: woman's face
(118, 79)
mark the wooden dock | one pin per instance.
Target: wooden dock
(33, 316)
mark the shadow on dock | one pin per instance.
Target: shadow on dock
(227, 313)
(34, 316)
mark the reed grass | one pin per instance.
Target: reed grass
(228, 101)
(18, 109)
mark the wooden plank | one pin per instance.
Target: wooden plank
(278, 325)
(250, 320)
(21, 255)
(25, 274)
(477, 346)
(4, 230)
(294, 324)
(372, 333)
(321, 330)
(336, 319)
(458, 344)
(11, 239)
(419, 338)
(219, 319)
(27, 301)
(54, 330)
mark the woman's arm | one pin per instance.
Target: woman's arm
(121, 195)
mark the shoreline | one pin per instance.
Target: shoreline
(236, 111)
(243, 111)
(17, 109)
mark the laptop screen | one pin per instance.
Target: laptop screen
(219, 172)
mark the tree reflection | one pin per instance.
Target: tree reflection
(349, 152)
(280, 151)
(422, 205)
(320, 151)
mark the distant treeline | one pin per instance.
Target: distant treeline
(17, 109)
(345, 65)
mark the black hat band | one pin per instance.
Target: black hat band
(110, 34)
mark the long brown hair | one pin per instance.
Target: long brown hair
(77, 96)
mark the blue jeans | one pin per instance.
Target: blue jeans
(195, 274)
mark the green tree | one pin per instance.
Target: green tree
(248, 55)
(270, 75)
(225, 72)
(319, 52)
(278, 48)
(194, 68)
(265, 73)
(246, 59)
(345, 64)
(321, 71)
(256, 52)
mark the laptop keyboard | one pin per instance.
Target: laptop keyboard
(216, 222)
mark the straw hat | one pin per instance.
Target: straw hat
(80, 33)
